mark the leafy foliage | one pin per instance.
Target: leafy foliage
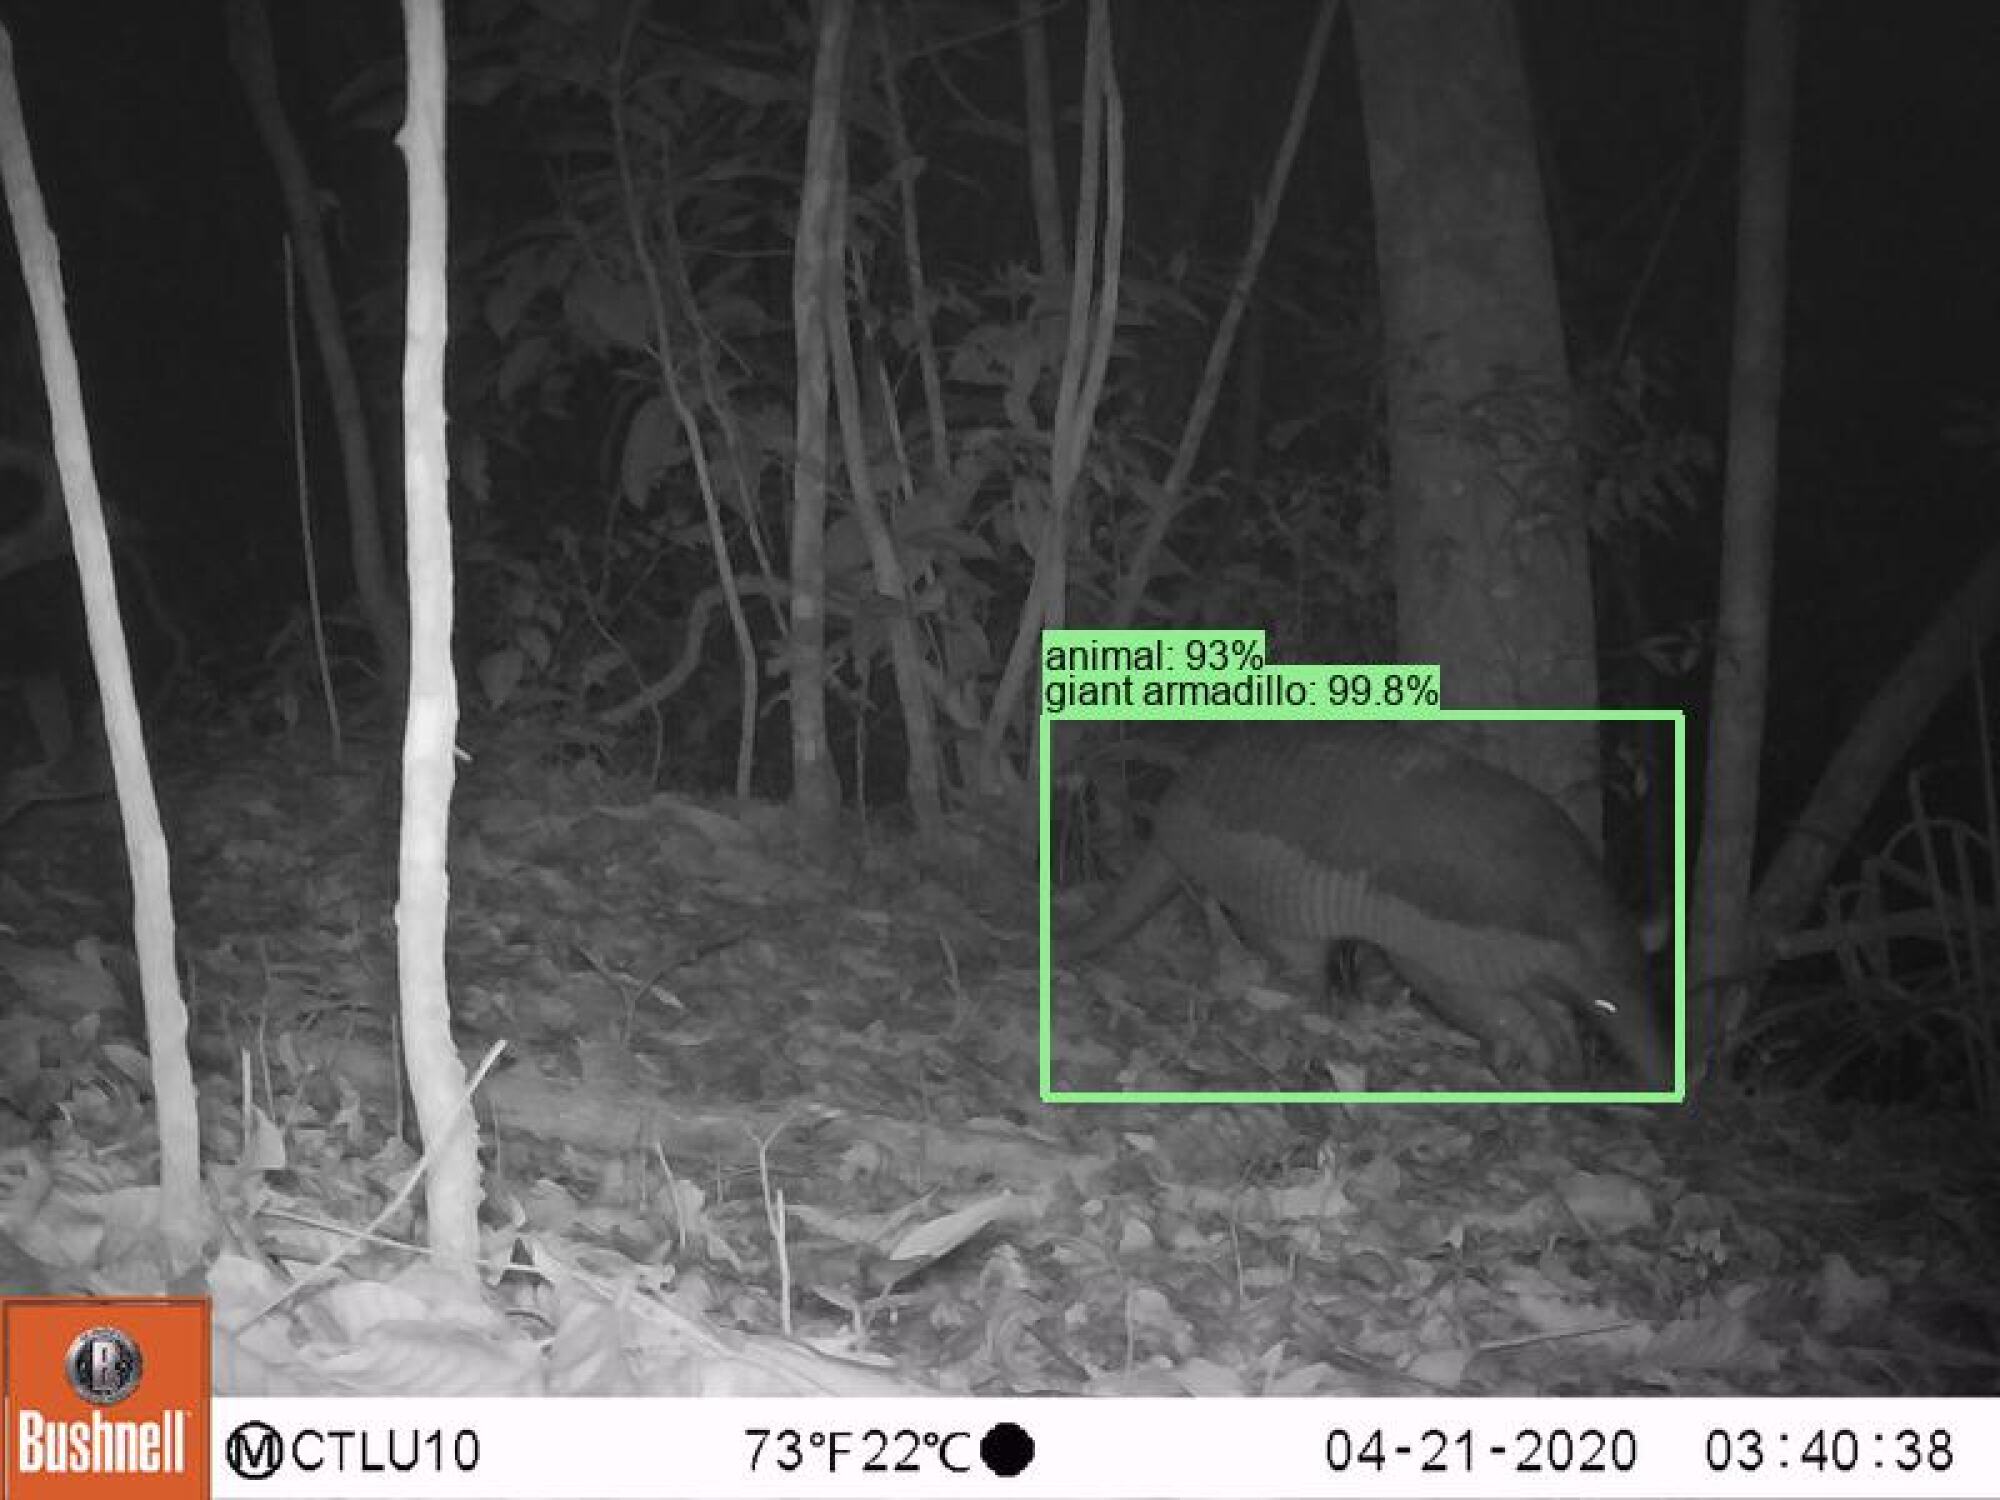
(623, 323)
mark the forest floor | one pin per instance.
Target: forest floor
(765, 1126)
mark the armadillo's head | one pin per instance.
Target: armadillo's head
(1624, 1006)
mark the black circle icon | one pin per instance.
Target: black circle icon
(1006, 1449)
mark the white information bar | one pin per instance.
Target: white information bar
(1081, 1449)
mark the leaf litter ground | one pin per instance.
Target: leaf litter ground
(767, 1127)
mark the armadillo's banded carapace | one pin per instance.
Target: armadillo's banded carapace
(1478, 887)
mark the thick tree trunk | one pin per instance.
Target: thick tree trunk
(1492, 555)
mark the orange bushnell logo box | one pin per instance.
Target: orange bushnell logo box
(104, 1397)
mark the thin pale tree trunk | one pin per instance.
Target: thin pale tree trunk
(423, 903)
(182, 1207)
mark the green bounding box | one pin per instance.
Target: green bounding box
(1257, 814)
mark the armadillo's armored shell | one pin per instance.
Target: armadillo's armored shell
(1477, 885)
